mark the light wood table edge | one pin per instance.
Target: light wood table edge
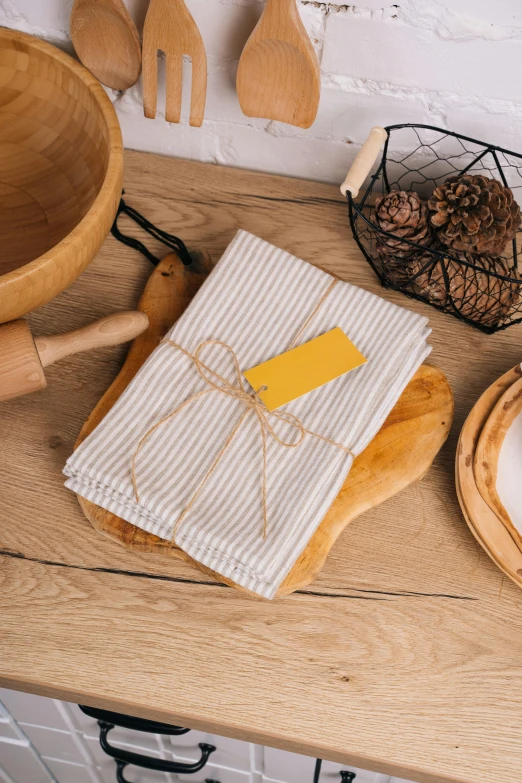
(233, 731)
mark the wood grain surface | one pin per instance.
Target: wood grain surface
(278, 75)
(491, 532)
(106, 41)
(400, 454)
(403, 657)
(170, 28)
(485, 465)
(61, 164)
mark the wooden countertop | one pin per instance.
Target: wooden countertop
(404, 657)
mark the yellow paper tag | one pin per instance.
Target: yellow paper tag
(303, 369)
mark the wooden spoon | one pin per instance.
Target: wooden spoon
(278, 75)
(107, 42)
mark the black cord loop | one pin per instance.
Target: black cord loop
(174, 242)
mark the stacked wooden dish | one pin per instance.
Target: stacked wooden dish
(489, 470)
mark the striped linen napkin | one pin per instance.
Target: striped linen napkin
(255, 301)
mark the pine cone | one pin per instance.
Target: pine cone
(405, 216)
(400, 272)
(471, 290)
(474, 214)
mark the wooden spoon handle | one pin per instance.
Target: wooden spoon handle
(364, 161)
(111, 330)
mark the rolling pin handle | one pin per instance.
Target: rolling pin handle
(111, 330)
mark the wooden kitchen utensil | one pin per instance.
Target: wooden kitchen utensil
(61, 171)
(400, 454)
(488, 452)
(106, 41)
(278, 75)
(490, 532)
(171, 29)
(23, 358)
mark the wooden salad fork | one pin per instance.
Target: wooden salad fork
(170, 28)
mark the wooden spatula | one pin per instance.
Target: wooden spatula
(170, 28)
(106, 41)
(278, 76)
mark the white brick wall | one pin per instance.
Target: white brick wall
(447, 62)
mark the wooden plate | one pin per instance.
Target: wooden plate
(486, 461)
(400, 454)
(487, 528)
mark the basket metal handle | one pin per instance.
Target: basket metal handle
(364, 161)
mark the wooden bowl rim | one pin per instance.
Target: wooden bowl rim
(51, 258)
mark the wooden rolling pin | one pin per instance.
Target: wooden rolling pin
(22, 357)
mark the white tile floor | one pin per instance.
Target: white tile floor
(49, 741)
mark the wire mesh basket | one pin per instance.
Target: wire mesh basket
(420, 158)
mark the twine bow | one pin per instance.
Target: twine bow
(253, 404)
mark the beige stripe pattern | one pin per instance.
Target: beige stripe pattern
(256, 300)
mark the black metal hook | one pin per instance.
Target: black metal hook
(149, 762)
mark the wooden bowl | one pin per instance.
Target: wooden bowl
(61, 171)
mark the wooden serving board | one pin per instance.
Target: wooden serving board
(485, 464)
(488, 529)
(400, 454)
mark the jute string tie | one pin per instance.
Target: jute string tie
(253, 404)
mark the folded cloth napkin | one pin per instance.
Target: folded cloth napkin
(201, 487)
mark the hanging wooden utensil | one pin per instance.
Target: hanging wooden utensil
(23, 358)
(106, 41)
(171, 29)
(278, 77)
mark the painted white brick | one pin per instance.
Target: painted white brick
(4, 777)
(486, 125)
(364, 4)
(72, 773)
(22, 764)
(287, 767)
(348, 116)
(32, 709)
(56, 744)
(501, 12)
(224, 27)
(393, 52)
(9, 729)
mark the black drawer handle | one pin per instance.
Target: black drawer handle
(129, 722)
(121, 779)
(347, 777)
(149, 762)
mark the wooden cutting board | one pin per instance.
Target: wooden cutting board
(488, 529)
(400, 454)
